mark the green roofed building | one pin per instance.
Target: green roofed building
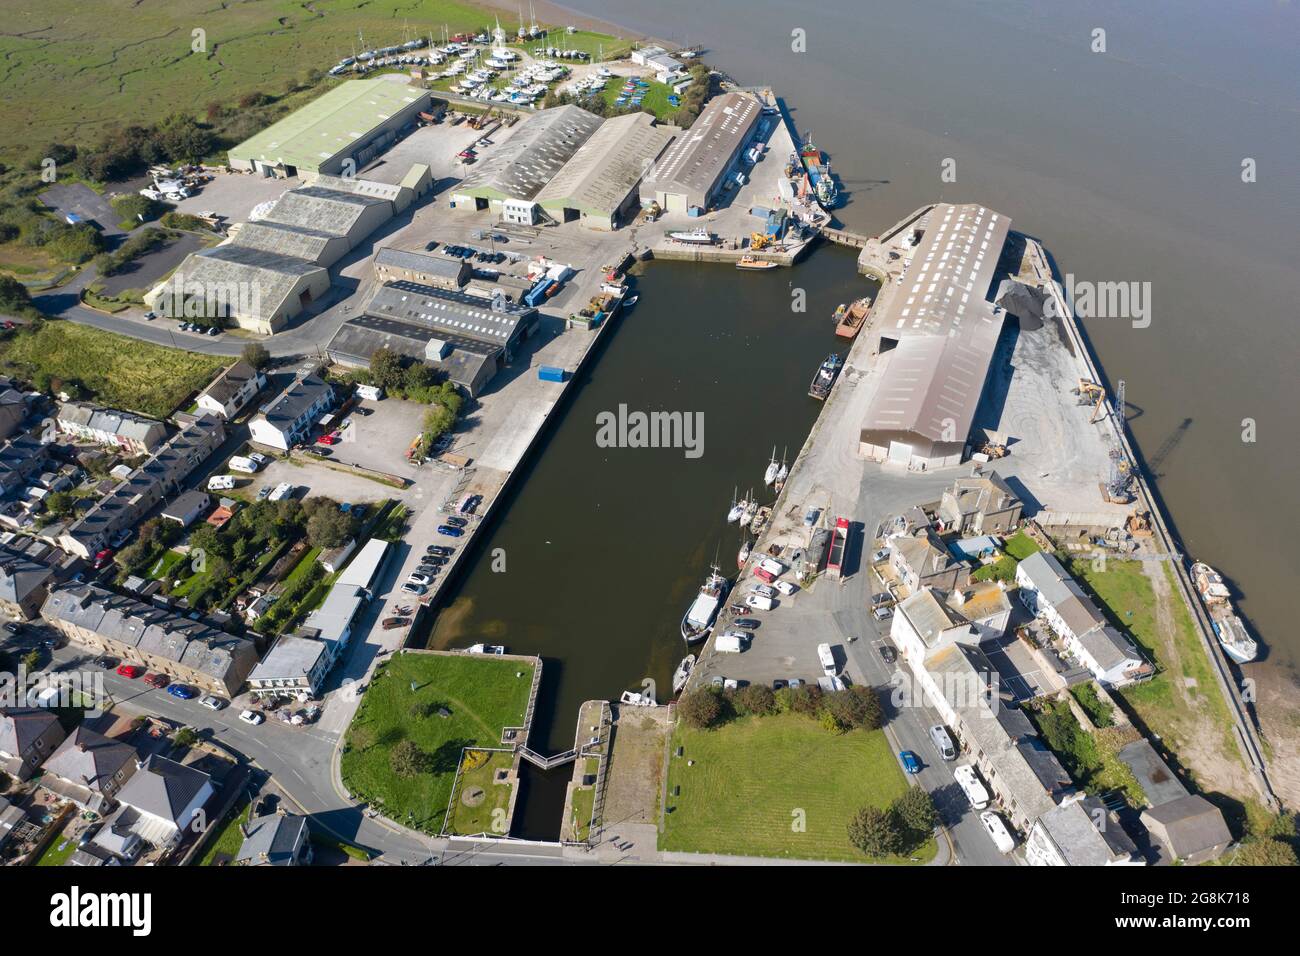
(354, 121)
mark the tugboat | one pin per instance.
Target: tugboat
(699, 617)
(825, 377)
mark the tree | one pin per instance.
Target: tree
(855, 707)
(185, 737)
(32, 659)
(386, 369)
(1265, 853)
(874, 832)
(256, 355)
(915, 811)
(14, 297)
(806, 699)
(60, 503)
(328, 528)
(701, 708)
(407, 760)
(135, 207)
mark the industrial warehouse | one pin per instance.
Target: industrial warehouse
(466, 338)
(340, 132)
(690, 174)
(598, 186)
(507, 182)
(273, 268)
(940, 334)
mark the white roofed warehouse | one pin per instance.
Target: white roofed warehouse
(598, 186)
(937, 338)
(689, 174)
(507, 182)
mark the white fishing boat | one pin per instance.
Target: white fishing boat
(743, 554)
(699, 617)
(773, 467)
(699, 236)
(683, 673)
(1209, 584)
(633, 699)
(1234, 640)
(751, 508)
(1228, 628)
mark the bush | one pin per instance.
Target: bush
(855, 707)
(754, 699)
(806, 699)
(701, 708)
(1265, 853)
(137, 208)
(256, 355)
(874, 832)
(916, 812)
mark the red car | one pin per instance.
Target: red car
(157, 680)
(103, 557)
(327, 440)
(130, 670)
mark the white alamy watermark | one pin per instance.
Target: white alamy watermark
(1106, 300)
(956, 691)
(76, 909)
(67, 689)
(637, 429)
(183, 298)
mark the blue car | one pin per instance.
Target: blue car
(449, 531)
(910, 763)
(183, 691)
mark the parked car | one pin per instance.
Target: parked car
(449, 531)
(130, 670)
(888, 654)
(391, 622)
(786, 588)
(183, 691)
(881, 555)
(428, 570)
(13, 627)
(411, 587)
(883, 613)
(253, 717)
(455, 522)
(433, 561)
(415, 577)
(910, 761)
(440, 549)
(102, 559)
(106, 662)
(763, 590)
(469, 504)
(327, 440)
(259, 459)
(264, 493)
(883, 599)
(747, 623)
(212, 702)
(157, 681)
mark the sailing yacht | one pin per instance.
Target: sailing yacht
(781, 475)
(737, 509)
(769, 476)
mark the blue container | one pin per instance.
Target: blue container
(549, 373)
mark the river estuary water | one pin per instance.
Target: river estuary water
(1126, 164)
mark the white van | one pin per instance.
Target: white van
(729, 644)
(942, 741)
(827, 659)
(246, 465)
(221, 482)
(760, 602)
(996, 829)
(970, 784)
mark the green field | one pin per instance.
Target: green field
(489, 816)
(483, 695)
(118, 371)
(754, 775)
(656, 98)
(71, 76)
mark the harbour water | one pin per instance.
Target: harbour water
(1126, 164)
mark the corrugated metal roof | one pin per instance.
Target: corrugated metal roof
(535, 151)
(608, 166)
(695, 160)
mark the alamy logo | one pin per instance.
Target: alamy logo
(624, 429)
(189, 299)
(76, 909)
(1106, 300)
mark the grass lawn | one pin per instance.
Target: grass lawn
(584, 800)
(489, 816)
(121, 372)
(752, 775)
(161, 570)
(484, 696)
(1020, 546)
(58, 852)
(228, 841)
(656, 97)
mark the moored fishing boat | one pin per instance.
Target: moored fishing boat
(743, 554)
(754, 264)
(633, 699)
(761, 518)
(700, 236)
(825, 377)
(699, 617)
(683, 673)
(818, 171)
(1234, 640)
(1229, 629)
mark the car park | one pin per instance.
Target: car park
(183, 691)
(211, 702)
(157, 681)
(253, 717)
(130, 670)
(911, 763)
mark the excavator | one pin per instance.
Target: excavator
(758, 240)
(1088, 393)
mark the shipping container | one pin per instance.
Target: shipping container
(549, 373)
